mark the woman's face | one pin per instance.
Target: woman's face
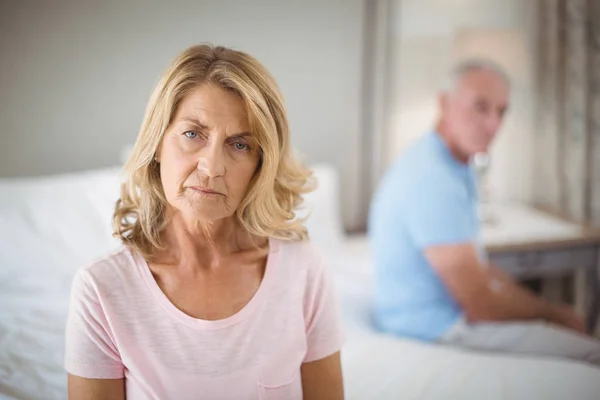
(208, 155)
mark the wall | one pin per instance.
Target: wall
(75, 75)
(426, 38)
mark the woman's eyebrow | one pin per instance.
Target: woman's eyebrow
(200, 125)
(241, 135)
(194, 121)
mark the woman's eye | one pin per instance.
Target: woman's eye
(241, 146)
(191, 134)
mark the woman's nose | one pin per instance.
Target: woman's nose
(212, 160)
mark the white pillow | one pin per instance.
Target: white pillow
(56, 223)
(324, 223)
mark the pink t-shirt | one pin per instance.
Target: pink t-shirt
(122, 325)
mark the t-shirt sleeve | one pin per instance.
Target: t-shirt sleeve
(323, 325)
(90, 347)
(440, 212)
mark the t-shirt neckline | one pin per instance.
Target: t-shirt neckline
(202, 324)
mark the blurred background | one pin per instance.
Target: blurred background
(360, 79)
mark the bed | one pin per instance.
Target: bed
(50, 226)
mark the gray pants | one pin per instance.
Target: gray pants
(536, 338)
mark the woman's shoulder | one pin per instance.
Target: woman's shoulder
(301, 255)
(304, 249)
(118, 266)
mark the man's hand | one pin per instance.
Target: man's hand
(567, 317)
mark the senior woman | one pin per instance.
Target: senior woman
(216, 292)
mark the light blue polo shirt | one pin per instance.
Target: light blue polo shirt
(427, 198)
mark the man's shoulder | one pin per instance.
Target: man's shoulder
(422, 159)
(421, 175)
(418, 189)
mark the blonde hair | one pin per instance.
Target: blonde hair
(267, 210)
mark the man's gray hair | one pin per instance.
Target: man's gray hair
(473, 64)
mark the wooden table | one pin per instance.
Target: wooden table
(530, 243)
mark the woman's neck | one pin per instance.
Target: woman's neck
(202, 244)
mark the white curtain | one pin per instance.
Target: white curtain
(567, 141)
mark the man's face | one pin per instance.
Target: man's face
(474, 111)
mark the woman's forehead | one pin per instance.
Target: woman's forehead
(211, 106)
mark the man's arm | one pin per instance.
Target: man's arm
(560, 314)
(487, 294)
(440, 222)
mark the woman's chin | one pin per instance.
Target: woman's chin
(207, 215)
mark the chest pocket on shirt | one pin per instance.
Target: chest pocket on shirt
(289, 390)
